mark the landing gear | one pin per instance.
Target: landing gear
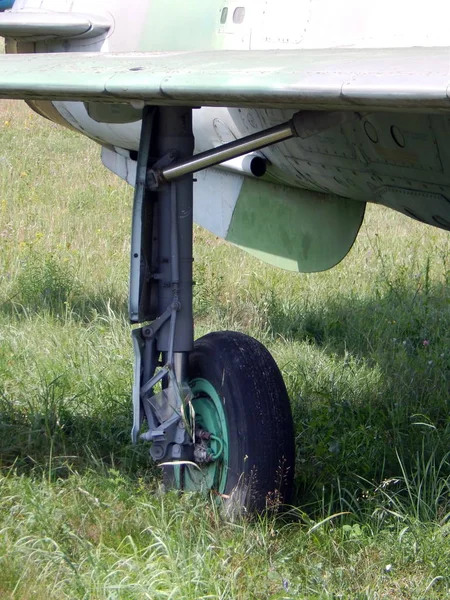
(218, 409)
(240, 397)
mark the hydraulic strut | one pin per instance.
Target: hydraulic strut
(161, 267)
(161, 286)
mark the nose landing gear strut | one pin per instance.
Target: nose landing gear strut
(217, 411)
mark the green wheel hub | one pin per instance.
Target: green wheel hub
(210, 416)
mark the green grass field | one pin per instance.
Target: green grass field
(364, 350)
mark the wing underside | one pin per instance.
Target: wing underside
(406, 79)
(293, 228)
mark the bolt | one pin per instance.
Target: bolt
(203, 435)
(157, 452)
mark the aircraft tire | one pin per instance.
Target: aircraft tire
(240, 397)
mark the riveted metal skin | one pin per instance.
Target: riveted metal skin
(250, 75)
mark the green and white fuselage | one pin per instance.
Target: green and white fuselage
(305, 211)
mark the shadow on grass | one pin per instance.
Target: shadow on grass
(54, 441)
(82, 307)
(394, 330)
(45, 282)
(380, 397)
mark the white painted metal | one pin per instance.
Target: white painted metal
(346, 161)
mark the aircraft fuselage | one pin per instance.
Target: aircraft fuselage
(397, 159)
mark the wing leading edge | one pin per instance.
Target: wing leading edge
(406, 79)
(35, 25)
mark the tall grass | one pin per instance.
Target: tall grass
(364, 350)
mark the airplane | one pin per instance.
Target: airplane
(271, 124)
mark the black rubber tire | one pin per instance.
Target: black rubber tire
(258, 415)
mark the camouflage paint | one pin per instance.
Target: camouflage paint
(389, 156)
(200, 22)
(306, 231)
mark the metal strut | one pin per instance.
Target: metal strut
(161, 286)
(161, 266)
(303, 125)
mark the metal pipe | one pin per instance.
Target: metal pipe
(181, 366)
(154, 380)
(304, 124)
(250, 164)
(175, 232)
(175, 258)
(136, 227)
(210, 158)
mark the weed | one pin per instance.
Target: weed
(43, 283)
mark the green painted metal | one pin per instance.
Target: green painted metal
(319, 79)
(294, 229)
(113, 113)
(199, 30)
(209, 414)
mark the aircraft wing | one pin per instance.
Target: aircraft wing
(407, 79)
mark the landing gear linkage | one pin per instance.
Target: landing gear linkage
(161, 272)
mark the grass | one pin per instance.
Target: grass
(364, 350)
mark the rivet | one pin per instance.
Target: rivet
(397, 136)
(371, 132)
